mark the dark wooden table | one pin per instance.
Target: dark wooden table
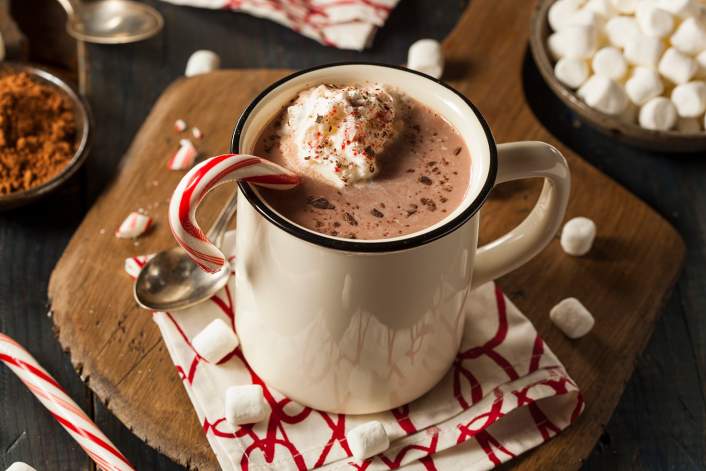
(660, 422)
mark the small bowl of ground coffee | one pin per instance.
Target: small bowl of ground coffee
(44, 133)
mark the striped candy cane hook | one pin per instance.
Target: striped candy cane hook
(62, 407)
(203, 178)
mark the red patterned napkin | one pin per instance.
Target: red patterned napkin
(505, 394)
(345, 24)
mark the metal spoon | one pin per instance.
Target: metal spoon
(111, 21)
(172, 281)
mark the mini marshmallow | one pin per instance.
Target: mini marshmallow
(215, 341)
(577, 42)
(571, 72)
(577, 236)
(180, 125)
(690, 37)
(643, 85)
(680, 8)
(556, 46)
(609, 62)
(585, 17)
(601, 7)
(701, 63)
(201, 62)
(653, 21)
(689, 125)
(572, 318)
(604, 94)
(676, 66)
(620, 30)
(368, 439)
(20, 466)
(690, 99)
(658, 114)
(426, 56)
(625, 6)
(184, 157)
(134, 225)
(197, 133)
(245, 404)
(560, 11)
(644, 50)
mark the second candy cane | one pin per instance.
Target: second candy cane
(62, 407)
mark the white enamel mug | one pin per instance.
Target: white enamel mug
(360, 326)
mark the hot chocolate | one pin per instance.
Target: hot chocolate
(374, 163)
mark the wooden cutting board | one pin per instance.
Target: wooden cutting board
(624, 281)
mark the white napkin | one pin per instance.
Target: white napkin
(349, 24)
(505, 394)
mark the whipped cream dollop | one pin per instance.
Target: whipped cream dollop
(339, 132)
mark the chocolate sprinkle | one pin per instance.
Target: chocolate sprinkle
(425, 180)
(429, 203)
(350, 219)
(319, 202)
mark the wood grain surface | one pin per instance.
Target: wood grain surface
(623, 281)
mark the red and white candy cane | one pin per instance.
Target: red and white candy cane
(61, 406)
(202, 179)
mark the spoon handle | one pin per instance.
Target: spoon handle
(71, 7)
(218, 230)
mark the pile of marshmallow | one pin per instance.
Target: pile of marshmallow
(643, 61)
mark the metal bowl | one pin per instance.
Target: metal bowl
(667, 141)
(83, 135)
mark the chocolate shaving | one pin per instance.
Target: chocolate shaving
(319, 202)
(425, 180)
(350, 219)
(429, 203)
(376, 213)
(458, 150)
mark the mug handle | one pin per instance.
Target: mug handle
(516, 161)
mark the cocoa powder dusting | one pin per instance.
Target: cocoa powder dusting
(37, 132)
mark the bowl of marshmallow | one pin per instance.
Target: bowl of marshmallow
(634, 69)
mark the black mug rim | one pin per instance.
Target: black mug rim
(353, 245)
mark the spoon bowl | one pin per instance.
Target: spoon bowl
(171, 281)
(114, 22)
